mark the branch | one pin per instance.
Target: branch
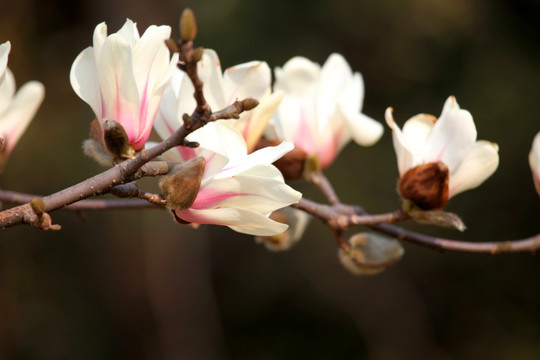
(339, 217)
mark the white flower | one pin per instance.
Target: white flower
(16, 109)
(238, 190)
(251, 79)
(122, 77)
(320, 112)
(534, 162)
(451, 139)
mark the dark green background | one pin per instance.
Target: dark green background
(135, 285)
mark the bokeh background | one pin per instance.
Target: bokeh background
(135, 285)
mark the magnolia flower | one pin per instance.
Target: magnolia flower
(439, 158)
(122, 77)
(238, 190)
(248, 80)
(320, 112)
(534, 161)
(16, 109)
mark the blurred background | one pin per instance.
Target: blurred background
(136, 285)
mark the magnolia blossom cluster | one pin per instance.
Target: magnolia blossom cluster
(310, 113)
(17, 109)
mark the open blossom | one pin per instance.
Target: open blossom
(440, 157)
(320, 112)
(17, 109)
(534, 162)
(248, 80)
(123, 75)
(238, 190)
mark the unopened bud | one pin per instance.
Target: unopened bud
(116, 139)
(437, 217)
(186, 119)
(426, 185)
(197, 54)
(172, 45)
(291, 164)
(297, 221)
(249, 104)
(370, 254)
(188, 26)
(181, 186)
(38, 206)
(312, 164)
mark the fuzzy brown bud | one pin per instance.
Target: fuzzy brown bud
(116, 139)
(37, 205)
(181, 186)
(249, 104)
(291, 164)
(172, 45)
(426, 185)
(197, 54)
(188, 26)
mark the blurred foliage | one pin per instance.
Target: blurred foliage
(135, 285)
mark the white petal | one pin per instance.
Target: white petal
(100, 34)
(534, 161)
(257, 119)
(452, 137)
(7, 90)
(251, 79)
(220, 138)
(364, 130)
(403, 155)
(118, 86)
(209, 70)
(336, 76)
(255, 193)
(243, 221)
(264, 156)
(479, 164)
(416, 132)
(298, 77)
(5, 48)
(22, 110)
(85, 80)
(449, 104)
(168, 120)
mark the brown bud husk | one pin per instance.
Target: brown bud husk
(198, 54)
(188, 26)
(291, 164)
(437, 217)
(181, 186)
(370, 254)
(172, 45)
(426, 185)
(116, 139)
(249, 104)
(95, 150)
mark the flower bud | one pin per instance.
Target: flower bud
(181, 186)
(172, 45)
(311, 164)
(116, 139)
(197, 54)
(291, 164)
(426, 185)
(249, 104)
(188, 26)
(370, 254)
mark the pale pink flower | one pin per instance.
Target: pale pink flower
(534, 162)
(123, 75)
(248, 80)
(450, 139)
(17, 109)
(238, 190)
(321, 110)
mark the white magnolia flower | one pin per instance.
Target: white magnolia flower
(320, 112)
(248, 80)
(16, 109)
(238, 190)
(123, 75)
(450, 139)
(534, 161)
